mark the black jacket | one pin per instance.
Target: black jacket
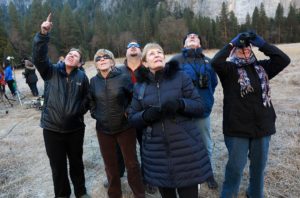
(109, 98)
(65, 95)
(29, 72)
(247, 116)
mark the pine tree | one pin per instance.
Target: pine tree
(69, 30)
(233, 27)
(223, 22)
(292, 25)
(263, 22)
(3, 39)
(279, 21)
(255, 19)
(14, 34)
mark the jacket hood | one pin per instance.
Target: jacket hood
(143, 73)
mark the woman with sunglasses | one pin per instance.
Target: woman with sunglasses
(165, 103)
(110, 95)
(248, 113)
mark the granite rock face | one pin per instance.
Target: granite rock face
(212, 8)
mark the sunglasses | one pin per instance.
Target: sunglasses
(105, 56)
(130, 45)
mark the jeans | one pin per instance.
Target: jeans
(205, 130)
(127, 142)
(61, 147)
(238, 150)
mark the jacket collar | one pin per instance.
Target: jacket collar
(143, 74)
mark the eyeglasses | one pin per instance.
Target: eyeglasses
(130, 45)
(105, 56)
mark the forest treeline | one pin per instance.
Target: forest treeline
(89, 27)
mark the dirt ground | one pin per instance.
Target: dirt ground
(25, 170)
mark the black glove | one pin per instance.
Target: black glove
(152, 114)
(171, 107)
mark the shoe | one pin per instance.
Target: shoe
(85, 196)
(150, 189)
(105, 184)
(211, 183)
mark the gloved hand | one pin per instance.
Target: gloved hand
(236, 40)
(152, 114)
(257, 41)
(171, 107)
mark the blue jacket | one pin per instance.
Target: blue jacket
(174, 155)
(8, 72)
(194, 63)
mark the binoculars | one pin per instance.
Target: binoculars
(244, 39)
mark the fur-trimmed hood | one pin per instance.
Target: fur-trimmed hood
(143, 73)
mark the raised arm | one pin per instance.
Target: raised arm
(40, 49)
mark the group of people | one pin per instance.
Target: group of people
(7, 77)
(166, 106)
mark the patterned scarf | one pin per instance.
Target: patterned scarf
(244, 80)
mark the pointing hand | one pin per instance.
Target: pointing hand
(46, 25)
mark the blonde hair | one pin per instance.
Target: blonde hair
(102, 52)
(148, 47)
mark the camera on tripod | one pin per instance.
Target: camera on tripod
(244, 39)
(9, 58)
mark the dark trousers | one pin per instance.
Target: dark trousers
(59, 148)
(11, 86)
(190, 192)
(127, 143)
(33, 89)
(139, 134)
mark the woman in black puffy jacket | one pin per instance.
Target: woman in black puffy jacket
(110, 94)
(165, 103)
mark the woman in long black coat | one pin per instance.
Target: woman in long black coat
(164, 103)
(31, 77)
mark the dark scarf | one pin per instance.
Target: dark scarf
(244, 80)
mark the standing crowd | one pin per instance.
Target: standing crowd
(165, 107)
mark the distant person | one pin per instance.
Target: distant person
(165, 103)
(110, 94)
(81, 66)
(30, 76)
(248, 113)
(9, 77)
(193, 61)
(61, 59)
(62, 117)
(2, 81)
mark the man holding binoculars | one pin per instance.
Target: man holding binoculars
(197, 66)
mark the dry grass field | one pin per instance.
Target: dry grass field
(25, 170)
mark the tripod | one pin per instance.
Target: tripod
(18, 93)
(4, 99)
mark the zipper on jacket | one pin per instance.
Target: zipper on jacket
(159, 102)
(167, 144)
